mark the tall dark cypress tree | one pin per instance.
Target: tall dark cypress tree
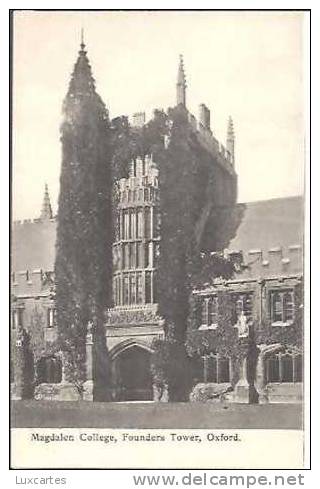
(84, 233)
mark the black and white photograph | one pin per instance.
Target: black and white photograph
(157, 239)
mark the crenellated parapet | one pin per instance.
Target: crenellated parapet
(267, 263)
(30, 283)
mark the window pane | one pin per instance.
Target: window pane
(224, 370)
(139, 256)
(20, 317)
(276, 307)
(132, 288)
(204, 312)
(126, 289)
(126, 256)
(212, 370)
(132, 255)
(273, 373)
(126, 225)
(148, 288)
(288, 306)
(239, 306)
(198, 370)
(298, 368)
(287, 368)
(139, 289)
(213, 310)
(147, 222)
(115, 290)
(133, 223)
(139, 224)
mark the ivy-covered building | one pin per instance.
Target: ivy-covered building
(174, 197)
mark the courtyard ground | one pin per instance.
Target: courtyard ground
(48, 414)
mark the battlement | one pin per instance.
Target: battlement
(31, 282)
(142, 183)
(211, 144)
(269, 262)
(23, 222)
(201, 127)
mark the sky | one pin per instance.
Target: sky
(249, 65)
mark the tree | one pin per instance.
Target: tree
(84, 233)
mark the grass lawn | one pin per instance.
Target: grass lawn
(48, 414)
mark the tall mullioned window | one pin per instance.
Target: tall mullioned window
(209, 311)
(282, 306)
(284, 367)
(216, 369)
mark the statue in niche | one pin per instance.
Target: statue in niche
(242, 325)
(89, 331)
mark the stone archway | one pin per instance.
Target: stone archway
(131, 373)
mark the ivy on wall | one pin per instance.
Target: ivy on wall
(83, 267)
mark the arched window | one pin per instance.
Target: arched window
(49, 370)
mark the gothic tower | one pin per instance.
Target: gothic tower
(181, 84)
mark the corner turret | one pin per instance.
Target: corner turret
(181, 84)
(230, 138)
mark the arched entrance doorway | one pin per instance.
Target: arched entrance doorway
(131, 374)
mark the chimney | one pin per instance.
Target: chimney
(139, 119)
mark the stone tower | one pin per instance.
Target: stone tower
(181, 84)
